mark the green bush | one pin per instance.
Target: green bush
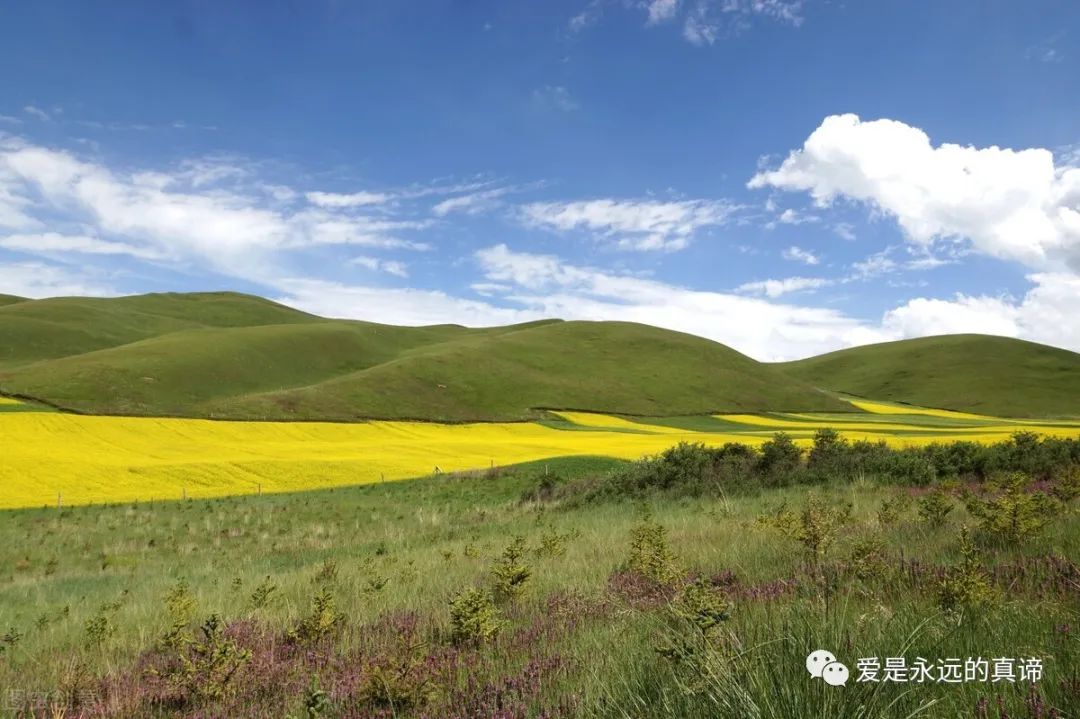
(816, 527)
(323, 621)
(509, 575)
(965, 585)
(1011, 513)
(650, 554)
(935, 507)
(474, 618)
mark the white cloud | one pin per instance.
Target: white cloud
(1013, 205)
(52, 242)
(708, 18)
(471, 204)
(1046, 313)
(549, 287)
(555, 97)
(391, 267)
(355, 199)
(588, 15)
(797, 254)
(412, 307)
(38, 279)
(776, 288)
(37, 112)
(174, 214)
(633, 224)
(661, 10)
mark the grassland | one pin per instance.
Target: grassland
(225, 355)
(968, 373)
(51, 457)
(88, 593)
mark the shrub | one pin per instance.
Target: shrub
(702, 606)
(323, 621)
(816, 527)
(474, 619)
(867, 558)
(180, 608)
(1012, 513)
(510, 574)
(207, 664)
(400, 682)
(965, 585)
(892, 508)
(263, 594)
(780, 458)
(934, 507)
(650, 555)
(1066, 486)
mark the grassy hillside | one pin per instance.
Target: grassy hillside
(65, 326)
(10, 300)
(228, 355)
(973, 373)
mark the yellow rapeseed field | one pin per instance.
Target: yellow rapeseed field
(46, 457)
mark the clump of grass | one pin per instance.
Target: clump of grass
(204, 667)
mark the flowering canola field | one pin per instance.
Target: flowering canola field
(46, 457)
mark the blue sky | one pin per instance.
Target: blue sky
(785, 177)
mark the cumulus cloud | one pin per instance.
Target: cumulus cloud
(1046, 313)
(1010, 204)
(547, 286)
(632, 224)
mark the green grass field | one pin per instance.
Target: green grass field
(83, 599)
(968, 373)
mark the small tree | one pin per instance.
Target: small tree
(474, 618)
(510, 574)
(965, 585)
(816, 527)
(1012, 513)
(934, 507)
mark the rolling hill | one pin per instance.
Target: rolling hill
(972, 373)
(10, 300)
(227, 355)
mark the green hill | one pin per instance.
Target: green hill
(10, 300)
(973, 373)
(236, 356)
(33, 330)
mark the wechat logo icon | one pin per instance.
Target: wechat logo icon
(823, 665)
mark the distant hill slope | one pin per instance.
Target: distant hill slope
(973, 373)
(10, 300)
(33, 330)
(236, 356)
